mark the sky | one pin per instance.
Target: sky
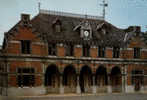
(121, 13)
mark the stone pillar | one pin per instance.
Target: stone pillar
(124, 80)
(61, 84)
(78, 90)
(94, 86)
(109, 88)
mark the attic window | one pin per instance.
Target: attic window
(58, 28)
(25, 46)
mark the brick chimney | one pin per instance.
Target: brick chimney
(136, 29)
(25, 18)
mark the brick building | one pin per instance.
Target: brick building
(58, 52)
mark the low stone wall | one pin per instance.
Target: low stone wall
(102, 89)
(52, 90)
(88, 90)
(27, 91)
(116, 88)
(69, 89)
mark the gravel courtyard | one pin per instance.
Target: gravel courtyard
(136, 96)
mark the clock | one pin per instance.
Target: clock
(86, 33)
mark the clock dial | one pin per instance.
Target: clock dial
(86, 33)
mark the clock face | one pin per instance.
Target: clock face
(86, 33)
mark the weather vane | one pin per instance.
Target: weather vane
(39, 5)
(104, 4)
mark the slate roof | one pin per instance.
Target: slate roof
(42, 24)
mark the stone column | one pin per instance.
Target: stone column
(109, 88)
(61, 84)
(94, 86)
(123, 80)
(78, 91)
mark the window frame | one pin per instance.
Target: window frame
(69, 50)
(101, 51)
(53, 49)
(86, 51)
(21, 75)
(28, 50)
(116, 52)
(137, 52)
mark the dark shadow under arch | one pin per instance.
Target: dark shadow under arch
(52, 76)
(101, 78)
(69, 76)
(85, 78)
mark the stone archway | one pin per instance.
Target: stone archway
(101, 79)
(116, 79)
(52, 79)
(85, 79)
(69, 79)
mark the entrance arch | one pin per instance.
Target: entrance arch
(101, 79)
(52, 79)
(85, 79)
(116, 79)
(101, 76)
(69, 79)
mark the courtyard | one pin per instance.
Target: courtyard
(116, 96)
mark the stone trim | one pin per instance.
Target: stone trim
(14, 41)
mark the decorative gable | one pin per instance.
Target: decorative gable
(85, 30)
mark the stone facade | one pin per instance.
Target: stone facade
(37, 72)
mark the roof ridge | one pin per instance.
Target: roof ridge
(59, 13)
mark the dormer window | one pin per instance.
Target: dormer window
(57, 26)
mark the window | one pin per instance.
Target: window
(101, 51)
(86, 50)
(52, 49)
(26, 77)
(58, 28)
(116, 52)
(136, 52)
(25, 46)
(69, 50)
(137, 76)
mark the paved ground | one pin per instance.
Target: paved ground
(88, 97)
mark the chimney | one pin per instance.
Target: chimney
(25, 18)
(136, 29)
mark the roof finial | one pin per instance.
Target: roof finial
(39, 5)
(104, 6)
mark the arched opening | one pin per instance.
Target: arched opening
(116, 79)
(52, 79)
(101, 79)
(101, 76)
(69, 79)
(85, 79)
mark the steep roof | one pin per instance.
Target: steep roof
(43, 24)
